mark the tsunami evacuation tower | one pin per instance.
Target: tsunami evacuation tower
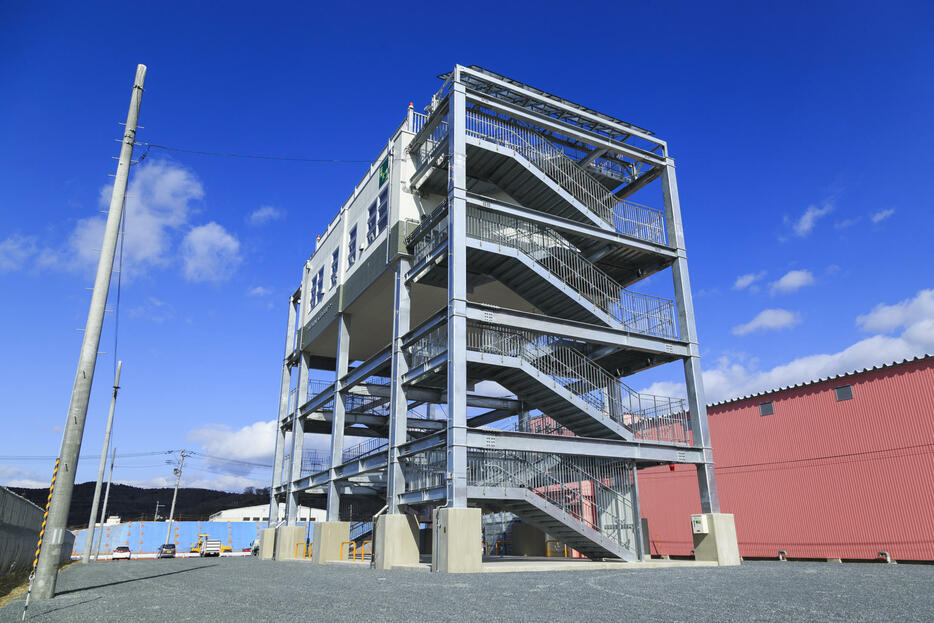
(470, 309)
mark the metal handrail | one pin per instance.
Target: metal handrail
(640, 313)
(556, 358)
(604, 513)
(626, 217)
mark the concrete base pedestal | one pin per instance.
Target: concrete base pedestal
(267, 544)
(719, 543)
(328, 540)
(395, 541)
(457, 546)
(290, 542)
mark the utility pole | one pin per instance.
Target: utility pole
(51, 550)
(178, 478)
(155, 516)
(92, 522)
(97, 548)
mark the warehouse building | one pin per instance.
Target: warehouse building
(835, 468)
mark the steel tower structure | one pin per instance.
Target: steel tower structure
(471, 307)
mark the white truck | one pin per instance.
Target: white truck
(210, 547)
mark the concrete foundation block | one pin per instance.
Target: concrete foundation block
(718, 544)
(395, 541)
(528, 541)
(458, 536)
(290, 542)
(267, 544)
(329, 541)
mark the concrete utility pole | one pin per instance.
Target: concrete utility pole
(178, 478)
(100, 469)
(155, 516)
(50, 553)
(110, 475)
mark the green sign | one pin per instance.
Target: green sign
(384, 172)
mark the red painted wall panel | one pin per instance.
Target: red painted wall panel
(818, 478)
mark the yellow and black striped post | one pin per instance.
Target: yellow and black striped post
(45, 518)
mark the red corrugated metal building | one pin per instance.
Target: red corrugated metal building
(817, 470)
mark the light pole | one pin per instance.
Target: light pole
(155, 516)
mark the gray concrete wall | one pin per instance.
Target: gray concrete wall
(20, 521)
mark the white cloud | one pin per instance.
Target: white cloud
(16, 251)
(846, 223)
(254, 442)
(259, 291)
(731, 377)
(881, 215)
(792, 280)
(744, 281)
(159, 203)
(209, 253)
(806, 222)
(769, 320)
(265, 214)
(11, 476)
(885, 318)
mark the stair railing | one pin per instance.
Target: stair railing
(626, 217)
(641, 313)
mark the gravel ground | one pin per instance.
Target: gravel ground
(247, 589)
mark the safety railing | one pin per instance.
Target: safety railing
(642, 313)
(432, 239)
(313, 462)
(423, 147)
(424, 470)
(626, 217)
(596, 492)
(363, 449)
(558, 359)
(647, 416)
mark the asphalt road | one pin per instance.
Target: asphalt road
(247, 589)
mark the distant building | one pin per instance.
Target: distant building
(832, 468)
(261, 513)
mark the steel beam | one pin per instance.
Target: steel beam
(337, 424)
(556, 444)
(457, 300)
(706, 478)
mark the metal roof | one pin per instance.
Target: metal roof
(842, 375)
(542, 107)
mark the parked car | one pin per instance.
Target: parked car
(167, 551)
(121, 553)
(254, 548)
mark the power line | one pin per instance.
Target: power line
(252, 156)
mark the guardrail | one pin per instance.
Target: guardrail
(640, 313)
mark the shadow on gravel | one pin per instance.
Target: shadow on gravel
(39, 615)
(145, 577)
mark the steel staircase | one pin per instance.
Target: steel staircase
(554, 493)
(589, 293)
(564, 384)
(624, 217)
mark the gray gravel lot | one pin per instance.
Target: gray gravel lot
(247, 589)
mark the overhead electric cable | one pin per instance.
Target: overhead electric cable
(253, 156)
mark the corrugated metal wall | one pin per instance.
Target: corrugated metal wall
(818, 478)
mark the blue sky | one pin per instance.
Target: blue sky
(802, 135)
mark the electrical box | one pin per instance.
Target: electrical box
(699, 524)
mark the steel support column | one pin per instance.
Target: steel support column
(284, 387)
(398, 405)
(298, 442)
(337, 423)
(456, 476)
(707, 482)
